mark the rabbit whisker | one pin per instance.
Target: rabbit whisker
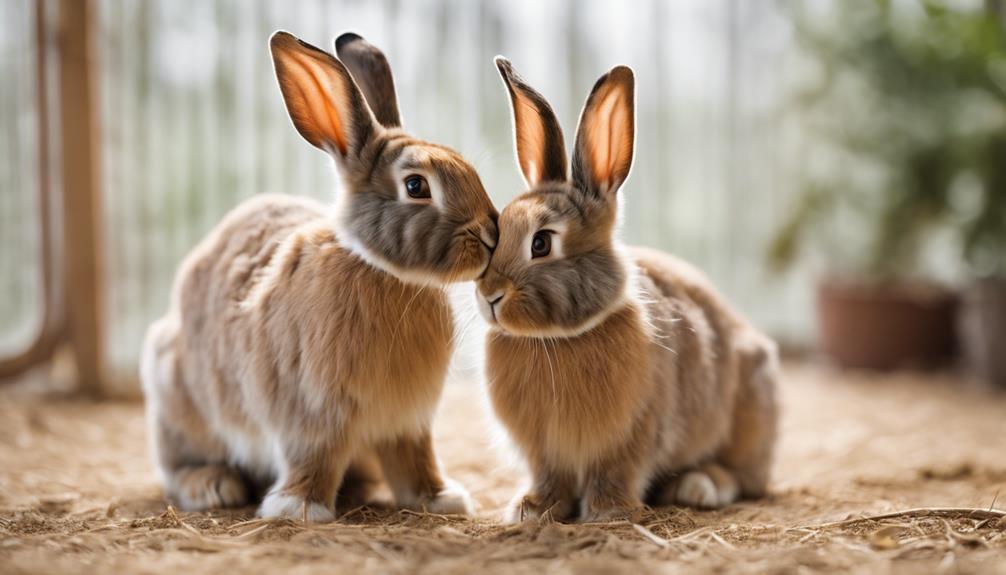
(394, 335)
(548, 358)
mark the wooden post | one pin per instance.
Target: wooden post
(81, 191)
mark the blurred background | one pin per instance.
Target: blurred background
(837, 168)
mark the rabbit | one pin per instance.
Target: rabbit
(304, 343)
(619, 374)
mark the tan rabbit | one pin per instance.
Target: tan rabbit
(620, 374)
(300, 339)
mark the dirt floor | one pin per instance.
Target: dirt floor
(77, 495)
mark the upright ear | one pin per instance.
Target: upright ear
(605, 139)
(372, 73)
(541, 151)
(324, 102)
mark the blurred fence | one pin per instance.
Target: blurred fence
(20, 257)
(192, 123)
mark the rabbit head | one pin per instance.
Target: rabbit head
(558, 269)
(414, 209)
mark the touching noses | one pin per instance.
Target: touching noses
(491, 288)
(486, 231)
(490, 285)
(490, 232)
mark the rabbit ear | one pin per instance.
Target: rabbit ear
(605, 139)
(372, 73)
(541, 151)
(324, 102)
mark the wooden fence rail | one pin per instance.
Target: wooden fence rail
(71, 275)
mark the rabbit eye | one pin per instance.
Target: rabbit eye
(417, 187)
(541, 244)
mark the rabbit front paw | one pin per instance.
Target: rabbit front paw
(283, 506)
(533, 507)
(699, 489)
(208, 487)
(453, 499)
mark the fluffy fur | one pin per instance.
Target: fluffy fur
(303, 346)
(620, 374)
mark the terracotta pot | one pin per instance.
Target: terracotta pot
(886, 325)
(983, 329)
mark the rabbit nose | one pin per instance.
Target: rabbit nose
(494, 298)
(487, 304)
(487, 241)
(490, 234)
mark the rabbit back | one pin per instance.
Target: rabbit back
(710, 367)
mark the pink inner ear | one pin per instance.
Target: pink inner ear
(309, 96)
(530, 140)
(610, 142)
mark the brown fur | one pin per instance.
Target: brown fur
(536, 125)
(297, 347)
(619, 374)
(372, 73)
(411, 469)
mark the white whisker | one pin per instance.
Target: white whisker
(545, 344)
(398, 325)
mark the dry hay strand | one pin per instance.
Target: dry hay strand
(397, 539)
(114, 519)
(913, 533)
(919, 512)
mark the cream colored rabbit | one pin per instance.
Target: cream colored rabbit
(620, 374)
(300, 339)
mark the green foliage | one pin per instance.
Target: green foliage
(912, 99)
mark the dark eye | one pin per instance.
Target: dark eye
(541, 244)
(416, 187)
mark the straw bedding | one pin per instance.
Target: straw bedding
(875, 473)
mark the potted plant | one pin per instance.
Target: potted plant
(910, 113)
(983, 317)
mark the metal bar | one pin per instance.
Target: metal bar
(82, 208)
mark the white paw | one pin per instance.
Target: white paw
(517, 511)
(698, 490)
(231, 491)
(280, 506)
(209, 488)
(452, 500)
(728, 493)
